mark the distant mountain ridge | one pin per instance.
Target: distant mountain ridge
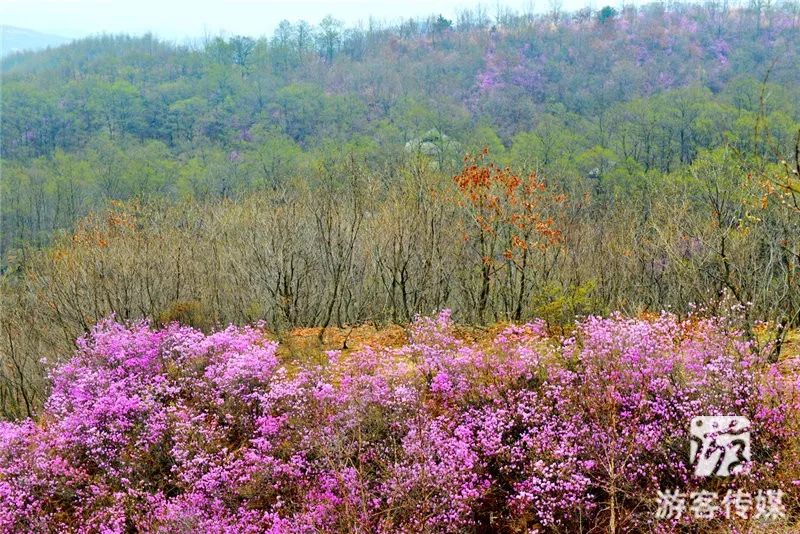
(13, 39)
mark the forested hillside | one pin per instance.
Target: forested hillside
(637, 161)
(601, 100)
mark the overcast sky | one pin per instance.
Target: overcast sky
(181, 19)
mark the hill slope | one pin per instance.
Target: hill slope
(13, 39)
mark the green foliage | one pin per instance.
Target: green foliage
(606, 14)
(559, 306)
(588, 105)
(484, 136)
(190, 312)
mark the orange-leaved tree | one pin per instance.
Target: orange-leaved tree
(510, 227)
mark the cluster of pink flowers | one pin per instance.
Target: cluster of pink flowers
(173, 430)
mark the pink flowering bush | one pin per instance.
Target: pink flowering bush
(173, 430)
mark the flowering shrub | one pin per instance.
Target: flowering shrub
(175, 431)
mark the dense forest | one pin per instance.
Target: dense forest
(593, 101)
(635, 160)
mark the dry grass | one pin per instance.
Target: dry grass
(303, 346)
